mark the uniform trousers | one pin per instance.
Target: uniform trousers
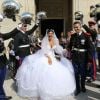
(2, 78)
(80, 74)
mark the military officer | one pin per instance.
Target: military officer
(81, 48)
(21, 43)
(93, 34)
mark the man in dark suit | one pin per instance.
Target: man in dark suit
(81, 48)
(3, 61)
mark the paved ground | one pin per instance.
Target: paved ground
(93, 90)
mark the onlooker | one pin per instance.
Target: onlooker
(98, 47)
(62, 40)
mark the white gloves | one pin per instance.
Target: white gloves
(19, 26)
(12, 53)
(17, 57)
(37, 21)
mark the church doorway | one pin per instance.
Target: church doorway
(56, 24)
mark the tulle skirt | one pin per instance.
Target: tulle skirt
(36, 78)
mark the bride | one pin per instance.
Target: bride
(42, 77)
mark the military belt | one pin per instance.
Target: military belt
(79, 50)
(22, 46)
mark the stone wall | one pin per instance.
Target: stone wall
(58, 9)
(54, 8)
(84, 6)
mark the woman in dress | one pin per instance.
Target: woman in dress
(43, 77)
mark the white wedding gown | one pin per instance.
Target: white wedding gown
(37, 78)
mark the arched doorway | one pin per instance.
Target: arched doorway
(56, 24)
(57, 9)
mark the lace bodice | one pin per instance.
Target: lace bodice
(51, 50)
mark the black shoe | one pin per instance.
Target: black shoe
(83, 90)
(90, 80)
(77, 92)
(8, 97)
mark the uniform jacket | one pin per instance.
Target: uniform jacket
(81, 42)
(92, 32)
(22, 39)
(5, 36)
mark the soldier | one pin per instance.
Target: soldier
(3, 61)
(98, 45)
(81, 48)
(93, 34)
(92, 30)
(22, 44)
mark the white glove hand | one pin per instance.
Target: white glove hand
(39, 41)
(12, 53)
(37, 21)
(17, 57)
(19, 26)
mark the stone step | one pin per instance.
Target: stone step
(93, 93)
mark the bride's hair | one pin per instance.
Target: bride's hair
(45, 41)
(50, 30)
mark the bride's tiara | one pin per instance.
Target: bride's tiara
(50, 30)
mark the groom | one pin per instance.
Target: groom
(81, 48)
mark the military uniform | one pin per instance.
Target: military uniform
(81, 48)
(93, 35)
(22, 44)
(3, 60)
(92, 32)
